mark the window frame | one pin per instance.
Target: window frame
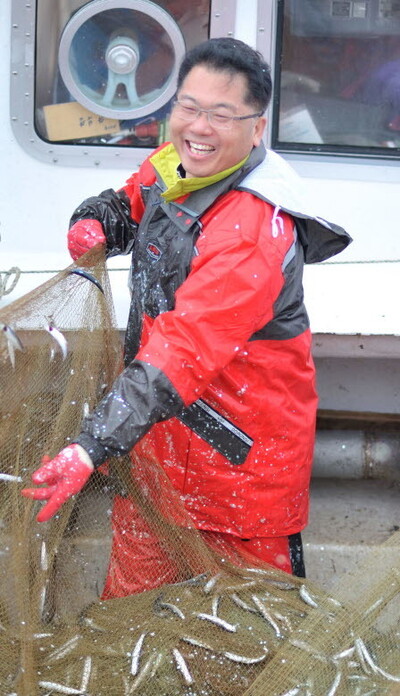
(22, 95)
(357, 152)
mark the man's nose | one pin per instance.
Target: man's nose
(201, 122)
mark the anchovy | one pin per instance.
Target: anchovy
(215, 604)
(136, 655)
(158, 604)
(335, 684)
(182, 666)
(13, 342)
(218, 622)
(10, 478)
(265, 614)
(87, 669)
(211, 583)
(197, 643)
(345, 653)
(85, 274)
(282, 585)
(64, 649)
(60, 688)
(244, 660)
(308, 648)
(365, 657)
(306, 597)
(42, 598)
(89, 622)
(144, 672)
(59, 339)
(197, 580)
(44, 561)
(42, 635)
(243, 605)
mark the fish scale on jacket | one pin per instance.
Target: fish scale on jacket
(219, 383)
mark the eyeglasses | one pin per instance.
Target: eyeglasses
(216, 119)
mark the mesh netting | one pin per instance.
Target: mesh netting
(217, 624)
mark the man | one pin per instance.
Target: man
(219, 380)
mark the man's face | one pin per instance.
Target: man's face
(204, 149)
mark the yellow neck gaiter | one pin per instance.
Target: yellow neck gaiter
(166, 163)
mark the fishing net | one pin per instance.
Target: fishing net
(218, 623)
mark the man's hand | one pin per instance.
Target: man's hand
(65, 475)
(84, 235)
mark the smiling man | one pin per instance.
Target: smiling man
(218, 386)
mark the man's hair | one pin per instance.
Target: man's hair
(232, 56)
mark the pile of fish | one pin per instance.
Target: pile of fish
(207, 636)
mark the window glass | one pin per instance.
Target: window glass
(105, 72)
(338, 88)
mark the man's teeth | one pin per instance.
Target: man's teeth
(200, 147)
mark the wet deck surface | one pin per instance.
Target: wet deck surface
(347, 520)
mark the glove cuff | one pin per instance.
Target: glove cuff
(97, 453)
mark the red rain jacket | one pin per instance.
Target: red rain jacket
(218, 314)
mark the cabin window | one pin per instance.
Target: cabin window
(102, 74)
(337, 83)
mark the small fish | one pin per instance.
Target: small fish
(218, 622)
(13, 342)
(87, 669)
(365, 657)
(60, 688)
(243, 605)
(349, 652)
(197, 643)
(44, 561)
(244, 660)
(182, 666)
(197, 580)
(267, 616)
(292, 692)
(281, 584)
(85, 274)
(302, 645)
(211, 583)
(332, 691)
(42, 635)
(136, 655)
(10, 478)
(147, 667)
(59, 339)
(306, 597)
(89, 622)
(159, 604)
(64, 649)
(215, 604)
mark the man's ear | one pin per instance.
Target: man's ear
(259, 129)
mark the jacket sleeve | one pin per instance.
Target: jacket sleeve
(119, 211)
(112, 209)
(228, 295)
(141, 395)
